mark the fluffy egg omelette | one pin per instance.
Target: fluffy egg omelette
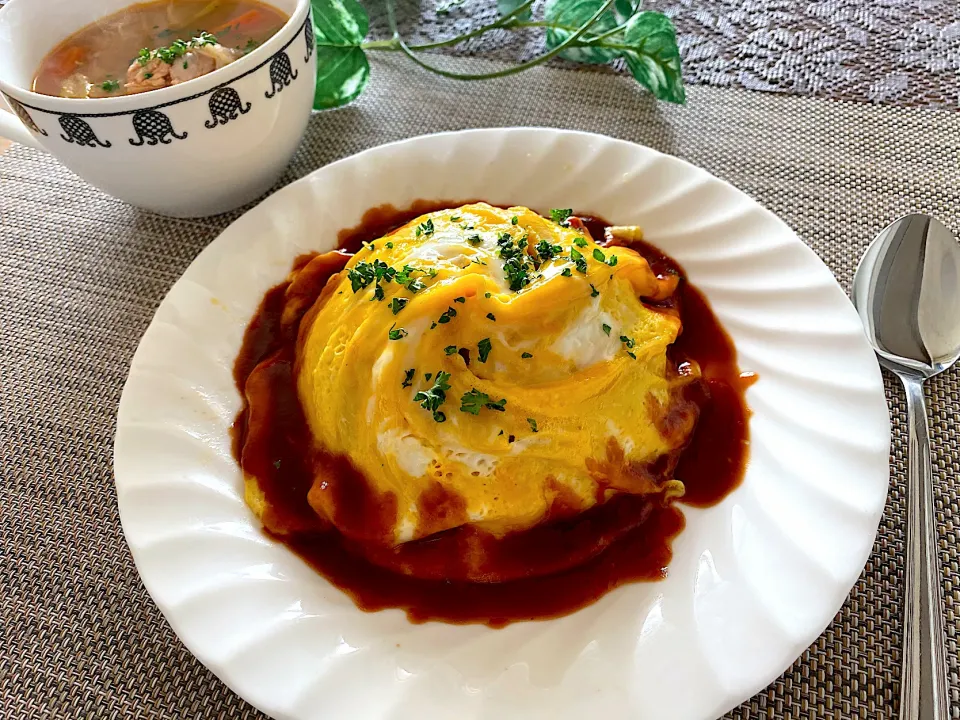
(497, 358)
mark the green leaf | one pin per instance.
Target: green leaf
(574, 13)
(505, 7)
(339, 27)
(342, 74)
(342, 23)
(653, 57)
(626, 8)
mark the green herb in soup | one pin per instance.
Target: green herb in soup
(155, 45)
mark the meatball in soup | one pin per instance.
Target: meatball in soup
(154, 45)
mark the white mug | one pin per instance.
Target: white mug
(199, 148)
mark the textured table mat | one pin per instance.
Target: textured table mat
(81, 275)
(904, 52)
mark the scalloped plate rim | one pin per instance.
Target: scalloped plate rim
(222, 670)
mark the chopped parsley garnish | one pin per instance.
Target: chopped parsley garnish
(484, 346)
(369, 245)
(110, 85)
(612, 260)
(514, 220)
(389, 246)
(491, 316)
(546, 251)
(415, 285)
(533, 424)
(428, 376)
(433, 398)
(403, 276)
(567, 272)
(425, 228)
(474, 240)
(516, 274)
(629, 342)
(176, 49)
(396, 334)
(248, 48)
(593, 291)
(597, 255)
(488, 295)
(578, 260)
(454, 218)
(516, 261)
(147, 76)
(579, 242)
(606, 328)
(378, 293)
(450, 350)
(408, 378)
(460, 300)
(382, 271)
(398, 304)
(204, 38)
(526, 355)
(447, 315)
(361, 275)
(474, 401)
(560, 216)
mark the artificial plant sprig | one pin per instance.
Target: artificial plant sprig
(589, 31)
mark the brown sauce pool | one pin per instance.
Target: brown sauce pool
(624, 540)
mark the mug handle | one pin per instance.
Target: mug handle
(12, 128)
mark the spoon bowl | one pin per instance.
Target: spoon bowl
(907, 291)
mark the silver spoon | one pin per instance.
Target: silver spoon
(907, 291)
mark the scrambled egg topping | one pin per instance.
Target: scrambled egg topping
(505, 356)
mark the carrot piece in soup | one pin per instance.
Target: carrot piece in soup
(245, 22)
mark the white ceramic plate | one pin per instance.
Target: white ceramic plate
(753, 582)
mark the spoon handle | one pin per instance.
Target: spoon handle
(923, 693)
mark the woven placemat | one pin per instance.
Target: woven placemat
(81, 275)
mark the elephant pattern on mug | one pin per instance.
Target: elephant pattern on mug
(281, 74)
(225, 105)
(79, 131)
(21, 112)
(309, 38)
(153, 127)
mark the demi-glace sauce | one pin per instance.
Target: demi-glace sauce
(634, 532)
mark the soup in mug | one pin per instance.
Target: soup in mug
(153, 45)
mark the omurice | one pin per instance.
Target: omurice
(481, 396)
